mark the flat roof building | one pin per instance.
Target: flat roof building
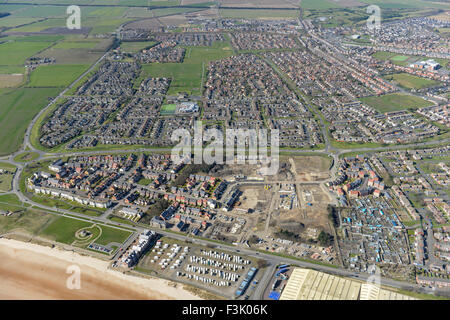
(306, 284)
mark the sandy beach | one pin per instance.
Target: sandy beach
(31, 271)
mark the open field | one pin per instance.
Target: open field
(72, 56)
(168, 109)
(10, 80)
(16, 52)
(64, 230)
(412, 82)
(26, 156)
(395, 102)
(258, 14)
(41, 25)
(56, 75)
(187, 76)
(403, 60)
(29, 221)
(318, 4)
(12, 21)
(136, 46)
(17, 109)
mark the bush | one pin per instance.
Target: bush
(325, 239)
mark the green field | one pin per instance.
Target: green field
(17, 109)
(76, 44)
(318, 4)
(168, 109)
(56, 75)
(417, 4)
(24, 220)
(112, 235)
(395, 102)
(136, 46)
(63, 230)
(404, 61)
(258, 14)
(399, 58)
(16, 52)
(26, 156)
(412, 82)
(187, 76)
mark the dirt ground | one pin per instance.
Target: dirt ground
(315, 215)
(10, 80)
(254, 197)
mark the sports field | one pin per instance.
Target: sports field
(318, 4)
(168, 109)
(395, 102)
(26, 156)
(403, 60)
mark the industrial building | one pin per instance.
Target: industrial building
(306, 284)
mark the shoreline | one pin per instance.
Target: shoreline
(32, 271)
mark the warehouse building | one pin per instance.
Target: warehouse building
(306, 284)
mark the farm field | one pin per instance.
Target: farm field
(11, 22)
(318, 4)
(56, 75)
(6, 177)
(403, 60)
(135, 46)
(257, 14)
(412, 82)
(187, 76)
(418, 4)
(24, 220)
(10, 80)
(168, 109)
(16, 52)
(395, 102)
(41, 25)
(17, 109)
(76, 44)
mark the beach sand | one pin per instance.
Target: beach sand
(31, 271)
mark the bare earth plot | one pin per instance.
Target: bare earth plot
(10, 80)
